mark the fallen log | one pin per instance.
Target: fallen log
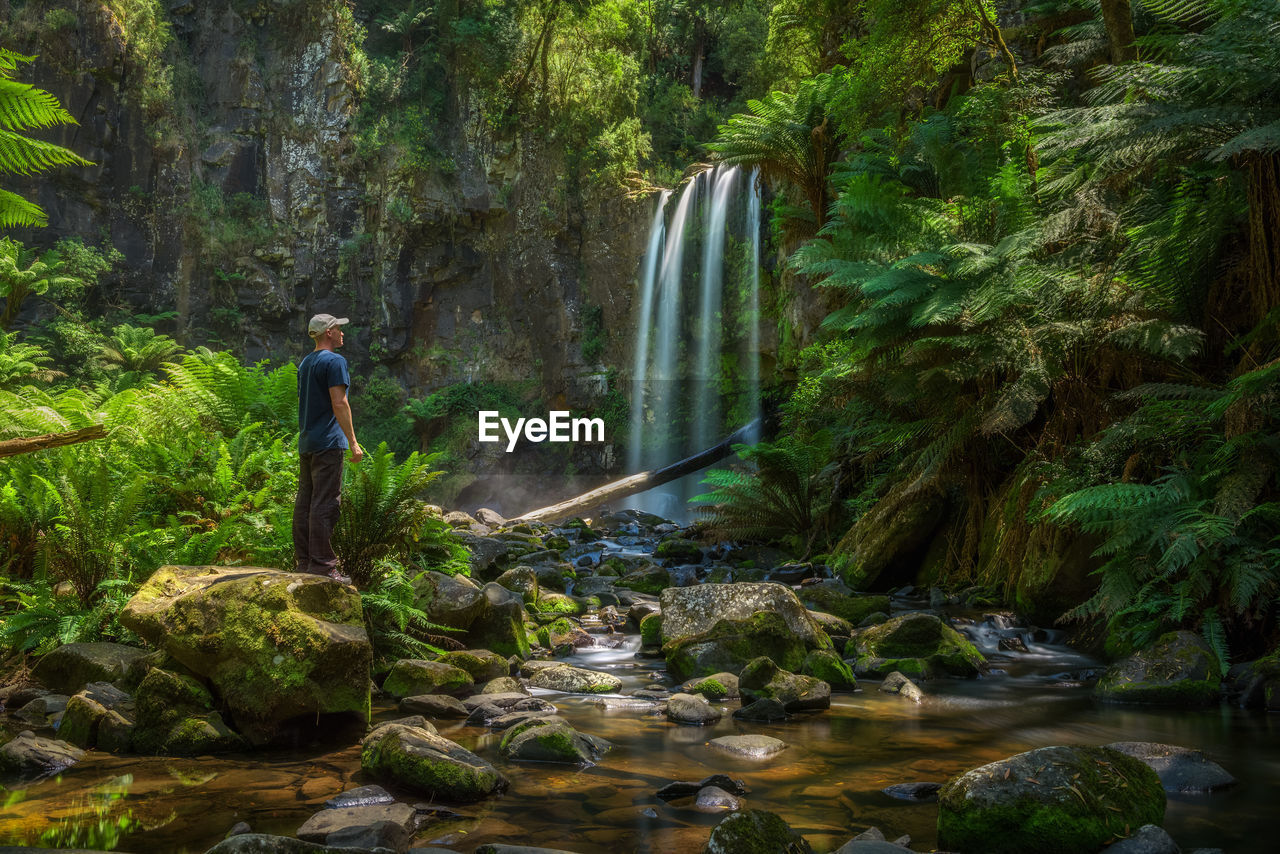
(14, 447)
(639, 482)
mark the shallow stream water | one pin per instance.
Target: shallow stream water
(826, 784)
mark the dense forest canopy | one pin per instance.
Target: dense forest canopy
(1047, 240)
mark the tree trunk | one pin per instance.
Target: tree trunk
(1117, 17)
(14, 447)
(632, 484)
(1264, 237)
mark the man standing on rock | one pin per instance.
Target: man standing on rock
(325, 431)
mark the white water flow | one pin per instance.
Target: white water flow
(706, 414)
(664, 376)
(753, 307)
(644, 325)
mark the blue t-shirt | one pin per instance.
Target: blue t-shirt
(318, 427)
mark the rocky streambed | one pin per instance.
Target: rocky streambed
(623, 688)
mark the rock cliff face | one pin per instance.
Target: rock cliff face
(248, 201)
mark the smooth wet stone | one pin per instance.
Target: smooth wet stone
(378, 825)
(502, 685)
(1181, 769)
(575, 680)
(361, 796)
(686, 789)
(439, 706)
(633, 703)
(920, 793)
(511, 719)
(755, 832)
(1178, 669)
(753, 746)
(29, 755)
(481, 664)
(715, 799)
(70, 667)
(766, 711)
(896, 683)
(1054, 800)
(1148, 839)
(422, 761)
(43, 710)
(551, 740)
(692, 709)
(489, 714)
(717, 686)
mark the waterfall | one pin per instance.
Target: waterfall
(706, 415)
(648, 283)
(679, 404)
(753, 308)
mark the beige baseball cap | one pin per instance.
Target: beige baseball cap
(322, 323)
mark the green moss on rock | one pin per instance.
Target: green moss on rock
(1178, 669)
(755, 832)
(915, 644)
(731, 644)
(1055, 800)
(428, 764)
(824, 664)
(410, 677)
(678, 549)
(855, 609)
(651, 630)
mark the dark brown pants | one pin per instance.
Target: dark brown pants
(315, 512)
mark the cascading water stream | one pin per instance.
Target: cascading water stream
(706, 414)
(648, 284)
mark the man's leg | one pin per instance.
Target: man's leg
(326, 476)
(302, 517)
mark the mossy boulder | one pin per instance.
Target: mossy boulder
(762, 679)
(176, 718)
(72, 666)
(558, 603)
(755, 832)
(651, 630)
(731, 644)
(679, 550)
(410, 677)
(1256, 684)
(584, 531)
(481, 664)
(551, 739)
(274, 645)
(489, 617)
(575, 680)
(428, 764)
(917, 645)
(82, 721)
(855, 609)
(717, 686)
(824, 664)
(689, 611)
(522, 580)
(653, 579)
(1179, 669)
(1055, 800)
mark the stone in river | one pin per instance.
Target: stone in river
(1181, 769)
(440, 706)
(896, 683)
(714, 799)
(755, 832)
(766, 710)
(917, 792)
(753, 746)
(1148, 839)
(30, 755)
(692, 709)
(361, 796)
(381, 825)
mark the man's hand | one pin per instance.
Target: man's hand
(357, 452)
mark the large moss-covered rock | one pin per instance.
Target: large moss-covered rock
(678, 549)
(652, 579)
(71, 666)
(1179, 669)
(919, 645)
(522, 580)
(274, 645)
(575, 680)
(761, 679)
(82, 721)
(429, 764)
(410, 677)
(825, 665)
(755, 832)
(551, 739)
(483, 665)
(855, 609)
(1055, 800)
(175, 717)
(731, 644)
(688, 611)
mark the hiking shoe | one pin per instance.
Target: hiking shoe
(338, 576)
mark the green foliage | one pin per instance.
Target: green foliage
(382, 512)
(783, 496)
(24, 108)
(397, 627)
(24, 273)
(138, 350)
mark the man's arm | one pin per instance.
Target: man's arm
(342, 411)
